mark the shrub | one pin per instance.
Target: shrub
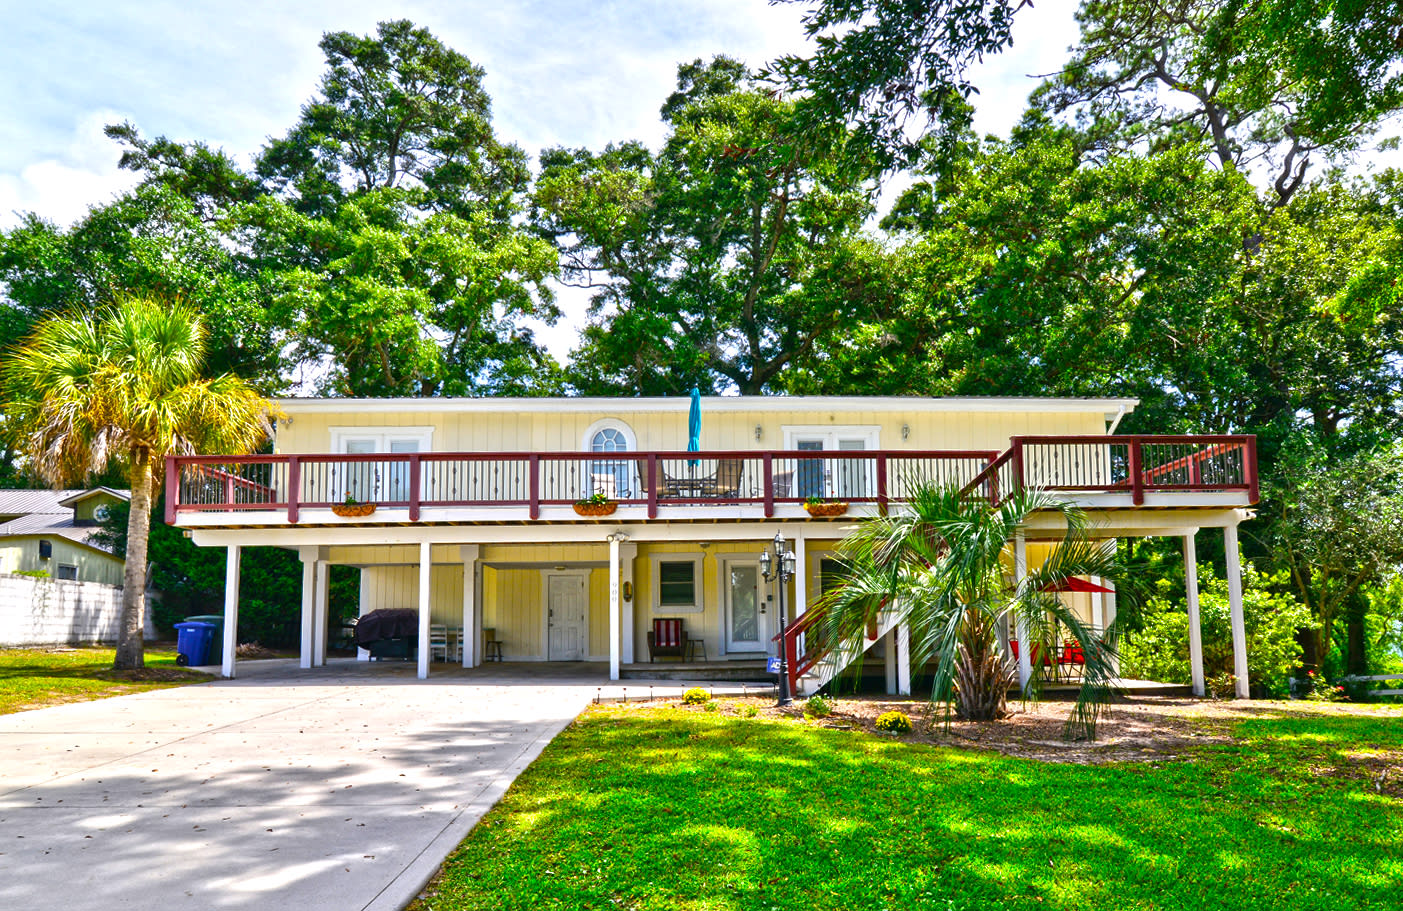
(711, 706)
(1160, 650)
(696, 696)
(894, 723)
(818, 707)
(749, 711)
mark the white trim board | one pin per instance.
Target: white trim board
(1110, 408)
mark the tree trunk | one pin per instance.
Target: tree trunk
(981, 675)
(131, 636)
(1356, 652)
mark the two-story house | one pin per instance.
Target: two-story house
(475, 523)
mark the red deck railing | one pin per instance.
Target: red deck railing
(662, 480)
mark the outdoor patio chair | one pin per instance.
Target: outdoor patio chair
(1071, 664)
(728, 476)
(667, 639)
(438, 642)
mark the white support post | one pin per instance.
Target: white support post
(889, 659)
(309, 603)
(426, 565)
(1191, 598)
(903, 660)
(1098, 616)
(1108, 601)
(627, 554)
(481, 612)
(801, 574)
(615, 618)
(231, 609)
(1025, 648)
(467, 641)
(322, 613)
(1239, 628)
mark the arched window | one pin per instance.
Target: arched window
(615, 478)
(609, 439)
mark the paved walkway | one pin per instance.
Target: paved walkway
(339, 788)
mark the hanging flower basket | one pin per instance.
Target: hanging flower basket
(825, 510)
(595, 510)
(353, 510)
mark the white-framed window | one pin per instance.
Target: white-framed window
(375, 481)
(677, 584)
(615, 478)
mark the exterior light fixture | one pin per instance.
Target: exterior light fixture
(759, 431)
(905, 432)
(779, 563)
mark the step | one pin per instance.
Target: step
(730, 671)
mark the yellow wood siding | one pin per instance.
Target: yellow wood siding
(563, 431)
(513, 608)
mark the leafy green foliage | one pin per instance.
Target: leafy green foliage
(398, 108)
(696, 696)
(1271, 616)
(150, 242)
(1338, 528)
(718, 261)
(1262, 83)
(818, 706)
(880, 62)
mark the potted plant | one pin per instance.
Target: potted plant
(596, 504)
(351, 508)
(820, 508)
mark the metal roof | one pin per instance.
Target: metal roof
(22, 502)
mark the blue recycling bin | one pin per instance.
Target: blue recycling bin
(193, 642)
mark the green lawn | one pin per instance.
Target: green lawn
(664, 809)
(34, 678)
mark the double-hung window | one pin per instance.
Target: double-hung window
(677, 583)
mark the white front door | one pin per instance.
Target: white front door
(746, 626)
(567, 613)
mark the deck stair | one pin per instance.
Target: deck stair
(811, 666)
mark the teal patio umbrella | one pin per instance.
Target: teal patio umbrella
(694, 426)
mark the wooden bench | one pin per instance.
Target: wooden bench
(1375, 678)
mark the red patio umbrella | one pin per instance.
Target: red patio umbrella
(1076, 584)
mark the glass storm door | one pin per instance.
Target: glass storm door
(746, 630)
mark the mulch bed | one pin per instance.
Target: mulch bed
(1147, 729)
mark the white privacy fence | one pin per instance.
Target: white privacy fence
(60, 612)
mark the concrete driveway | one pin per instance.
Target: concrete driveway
(338, 788)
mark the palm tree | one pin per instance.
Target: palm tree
(123, 386)
(943, 567)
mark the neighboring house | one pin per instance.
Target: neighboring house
(52, 531)
(57, 585)
(474, 523)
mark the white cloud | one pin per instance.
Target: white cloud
(63, 187)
